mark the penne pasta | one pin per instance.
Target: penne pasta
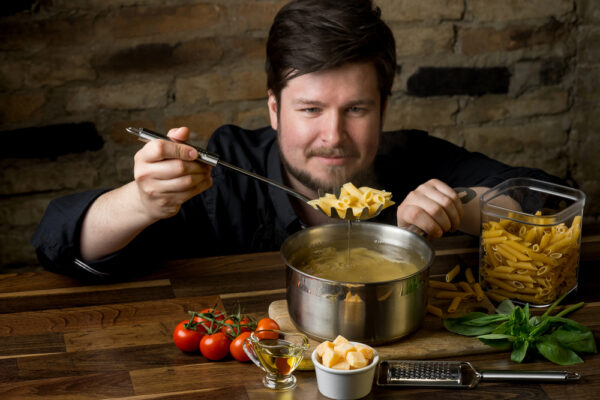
(503, 285)
(491, 234)
(526, 262)
(355, 200)
(469, 275)
(494, 240)
(452, 273)
(511, 277)
(518, 254)
(435, 310)
(496, 296)
(446, 294)
(478, 291)
(443, 285)
(521, 249)
(466, 287)
(454, 304)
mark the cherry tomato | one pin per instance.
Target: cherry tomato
(186, 339)
(236, 348)
(215, 346)
(264, 324)
(208, 315)
(233, 327)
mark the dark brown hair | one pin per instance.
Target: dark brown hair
(315, 35)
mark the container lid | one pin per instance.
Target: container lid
(521, 198)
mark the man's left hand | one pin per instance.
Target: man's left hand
(433, 207)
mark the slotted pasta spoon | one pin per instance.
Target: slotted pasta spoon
(213, 159)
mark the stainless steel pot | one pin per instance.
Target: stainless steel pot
(372, 313)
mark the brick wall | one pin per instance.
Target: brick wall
(518, 80)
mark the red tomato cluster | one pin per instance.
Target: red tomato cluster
(217, 334)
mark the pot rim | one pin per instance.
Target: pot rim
(359, 284)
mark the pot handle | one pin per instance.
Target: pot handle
(415, 229)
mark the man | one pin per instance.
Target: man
(330, 68)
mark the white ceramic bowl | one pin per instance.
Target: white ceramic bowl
(345, 384)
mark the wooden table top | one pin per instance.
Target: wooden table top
(64, 339)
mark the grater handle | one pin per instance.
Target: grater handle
(539, 376)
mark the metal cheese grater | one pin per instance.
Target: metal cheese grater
(456, 374)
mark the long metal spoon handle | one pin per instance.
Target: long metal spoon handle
(264, 179)
(213, 159)
(540, 376)
(146, 135)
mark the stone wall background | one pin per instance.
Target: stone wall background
(517, 80)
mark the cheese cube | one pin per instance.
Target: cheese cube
(356, 359)
(330, 358)
(365, 350)
(343, 348)
(342, 365)
(340, 339)
(324, 346)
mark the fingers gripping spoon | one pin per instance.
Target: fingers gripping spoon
(213, 159)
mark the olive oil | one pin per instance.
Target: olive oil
(278, 357)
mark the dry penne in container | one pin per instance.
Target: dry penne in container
(530, 240)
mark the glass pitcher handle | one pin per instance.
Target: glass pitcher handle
(249, 350)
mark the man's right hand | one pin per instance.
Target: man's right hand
(166, 175)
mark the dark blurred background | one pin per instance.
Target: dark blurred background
(518, 80)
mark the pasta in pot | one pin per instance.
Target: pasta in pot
(531, 263)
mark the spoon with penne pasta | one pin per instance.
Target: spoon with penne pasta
(360, 204)
(352, 203)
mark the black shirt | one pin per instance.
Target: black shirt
(239, 214)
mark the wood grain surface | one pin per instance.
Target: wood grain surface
(61, 338)
(431, 340)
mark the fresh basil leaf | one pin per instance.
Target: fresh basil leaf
(519, 351)
(539, 329)
(526, 314)
(494, 336)
(520, 316)
(461, 325)
(504, 327)
(580, 342)
(497, 343)
(505, 307)
(553, 351)
(486, 320)
(535, 320)
(568, 323)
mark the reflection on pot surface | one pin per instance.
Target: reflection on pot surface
(373, 305)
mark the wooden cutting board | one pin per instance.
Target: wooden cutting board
(430, 341)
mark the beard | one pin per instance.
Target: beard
(339, 174)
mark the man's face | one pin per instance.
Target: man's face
(328, 125)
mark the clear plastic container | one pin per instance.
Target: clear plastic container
(530, 241)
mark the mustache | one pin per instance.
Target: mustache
(332, 152)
